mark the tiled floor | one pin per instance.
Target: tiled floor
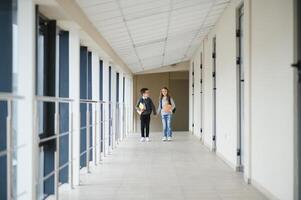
(179, 170)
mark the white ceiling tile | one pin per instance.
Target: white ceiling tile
(147, 34)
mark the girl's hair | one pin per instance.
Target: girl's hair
(161, 95)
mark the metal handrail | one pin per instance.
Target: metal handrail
(88, 101)
(9, 98)
(115, 106)
(57, 135)
(53, 99)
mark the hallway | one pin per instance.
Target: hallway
(72, 72)
(178, 170)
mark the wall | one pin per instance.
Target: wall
(272, 96)
(177, 82)
(269, 96)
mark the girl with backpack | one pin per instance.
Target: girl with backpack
(166, 107)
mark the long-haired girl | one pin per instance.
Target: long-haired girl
(166, 108)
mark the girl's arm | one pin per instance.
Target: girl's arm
(154, 108)
(159, 107)
(173, 105)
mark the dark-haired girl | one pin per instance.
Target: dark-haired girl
(166, 108)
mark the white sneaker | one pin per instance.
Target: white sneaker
(164, 139)
(142, 139)
(147, 139)
(169, 139)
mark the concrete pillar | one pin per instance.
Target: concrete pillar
(106, 107)
(96, 113)
(26, 160)
(74, 78)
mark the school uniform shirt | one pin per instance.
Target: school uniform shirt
(149, 106)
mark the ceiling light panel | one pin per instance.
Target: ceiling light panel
(152, 60)
(132, 3)
(101, 8)
(145, 10)
(85, 3)
(178, 4)
(153, 27)
(150, 50)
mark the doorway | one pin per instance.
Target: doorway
(241, 86)
(214, 94)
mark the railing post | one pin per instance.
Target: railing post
(110, 129)
(88, 138)
(116, 125)
(57, 152)
(100, 131)
(104, 122)
(36, 150)
(9, 151)
(71, 146)
(95, 135)
(112, 123)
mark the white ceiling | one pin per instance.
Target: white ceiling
(148, 34)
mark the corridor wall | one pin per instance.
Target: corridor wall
(269, 97)
(178, 84)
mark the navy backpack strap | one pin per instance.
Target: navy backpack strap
(161, 103)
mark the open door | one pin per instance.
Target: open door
(240, 87)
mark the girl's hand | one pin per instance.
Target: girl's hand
(167, 108)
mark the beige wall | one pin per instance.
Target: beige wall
(178, 84)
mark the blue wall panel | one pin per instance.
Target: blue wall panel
(64, 108)
(83, 107)
(89, 84)
(110, 105)
(5, 82)
(101, 98)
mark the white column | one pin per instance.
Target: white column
(74, 85)
(130, 103)
(26, 163)
(113, 98)
(106, 107)
(96, 116)
(121, 107)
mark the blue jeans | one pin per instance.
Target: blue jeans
(166, 121)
